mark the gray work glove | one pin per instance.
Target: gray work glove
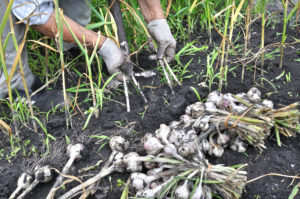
(113, 57)
(161, 33)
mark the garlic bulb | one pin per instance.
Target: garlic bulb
(197, 109)
(186, 120)
(139, 181)
(190, 135)
(182, 191)
(234, 104)
(215, 97)
(223, 139)
(205, 145)
(214, 149)
(238, 145)
(188, 110)
(174, 124)
(176, 136)
(132, 162)
(118, 162)
(147, 193)
(268, 103)
(202, 122)
(43, 174)
(24, 180)
(198, 194)
(210, 107)
(152, 145)
(163, 133)
(254, 95)
(217, 150)
(171, 150)
(187, 149)
(118, 143)
(150, 193)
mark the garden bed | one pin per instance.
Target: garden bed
(164, 107)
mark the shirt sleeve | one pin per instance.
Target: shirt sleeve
(38, 10)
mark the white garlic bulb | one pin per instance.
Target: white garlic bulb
(118, 162)
(268, 103)
(139, 181)
(234, 104)
(188, 110)
(176, 136)
(210, 107)
(174, 124)
(118, 143)
(202, 122)
(217, 150)
(191, 135)
(238, 145)
(132, 162)
(205, 145)
(215, 97)
(197, 110)
(182, 191)
(152, 145)
(223, 139)
(186, 120)
(254, 95)
(187, 149)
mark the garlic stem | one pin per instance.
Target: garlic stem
(198, 193)
(105, 171)
(14, 194)
(160, 160)
(29, 189)
(23, 182)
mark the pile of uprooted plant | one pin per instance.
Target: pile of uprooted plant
(175, 165)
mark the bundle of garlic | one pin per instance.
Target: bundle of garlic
(167, 164)
(235, 119)
(167, 178)
(174, 154)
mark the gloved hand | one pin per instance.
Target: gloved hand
(113, 57)
(161, 33)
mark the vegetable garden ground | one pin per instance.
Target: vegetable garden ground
(164, 107)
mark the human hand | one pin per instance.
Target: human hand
(113, 57)
(161, 33)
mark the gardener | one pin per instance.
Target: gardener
(42, 18)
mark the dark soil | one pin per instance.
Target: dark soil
(163, 107)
